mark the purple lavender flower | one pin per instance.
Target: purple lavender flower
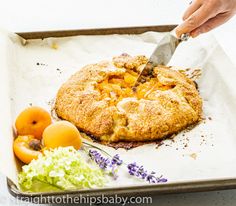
(133, 169)
(137, 171)
(116, 160)
(162, 179)
(151, 178)
(140, 172)
(93, 154)
(97, 157)
(106, 163)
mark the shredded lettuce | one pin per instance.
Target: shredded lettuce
(63, 168)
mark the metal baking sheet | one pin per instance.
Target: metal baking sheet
(178, 187)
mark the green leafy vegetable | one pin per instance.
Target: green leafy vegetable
(63, 168)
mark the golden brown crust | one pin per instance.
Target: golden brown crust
(162, 113)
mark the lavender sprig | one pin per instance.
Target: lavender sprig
(133, 168)
(139, 172)
(106, 163)
(99, 159)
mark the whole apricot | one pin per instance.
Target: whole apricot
(61, 134)
(32, 121)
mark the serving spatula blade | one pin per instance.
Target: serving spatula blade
(161, 55)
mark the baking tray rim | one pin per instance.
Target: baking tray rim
(150, 189)
(166, 188)
(96, 31)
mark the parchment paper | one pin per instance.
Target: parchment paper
(37, 68)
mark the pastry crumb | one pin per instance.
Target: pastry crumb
(193, 155)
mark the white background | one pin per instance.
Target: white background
(28, 15)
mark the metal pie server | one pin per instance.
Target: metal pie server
(162, 54)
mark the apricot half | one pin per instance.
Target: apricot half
(27, 148)
(32, 121)
(61, 134)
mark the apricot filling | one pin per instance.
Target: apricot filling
(118, 87)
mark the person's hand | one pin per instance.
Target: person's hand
(205, 15)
